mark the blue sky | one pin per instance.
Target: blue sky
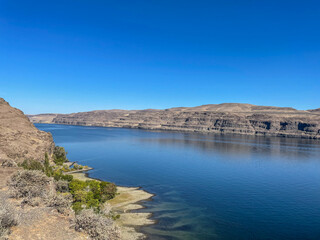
(70, 56)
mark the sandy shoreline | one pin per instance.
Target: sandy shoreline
(126, 201)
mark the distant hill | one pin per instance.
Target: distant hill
(222, 118)
(316, 111)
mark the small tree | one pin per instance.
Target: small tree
(59, 155)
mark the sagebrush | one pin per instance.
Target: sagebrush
(30, 184)
(8, 218)
(96, 225)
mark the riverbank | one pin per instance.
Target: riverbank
(127, 201)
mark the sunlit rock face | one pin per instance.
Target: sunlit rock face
(19, 138)
(213, 118)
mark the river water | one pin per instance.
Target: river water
(208, 186)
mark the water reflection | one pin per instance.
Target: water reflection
(237, 145)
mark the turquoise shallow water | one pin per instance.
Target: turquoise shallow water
(208, 186)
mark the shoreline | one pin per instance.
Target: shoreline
(238, 134)
(126, 204)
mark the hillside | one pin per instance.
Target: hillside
(19, 138)
(212, 118)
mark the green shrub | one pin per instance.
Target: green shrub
(58, 175)
(59, 155)
(65, 168)
(68, 178)
(77, 207)
(80, 196)
(108, 191)
(91, 193)
(31, 164)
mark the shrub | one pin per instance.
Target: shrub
(96, 225)
(60, 201)
(67, 178)
(62, 186)
(30, 183)
(58, 175)
(80, 196)
(31, 201)
(108, 191)
(8, 218)
(77, 207)
(59, 155)
(91, 194)
(48, 170)
(36, 165)
(31, 164)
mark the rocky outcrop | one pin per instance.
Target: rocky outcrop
(19, 138)
(213, 118)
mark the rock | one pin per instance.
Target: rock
(223, 118)
(19, 138)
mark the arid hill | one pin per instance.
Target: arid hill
(212, 118)
(19, 138)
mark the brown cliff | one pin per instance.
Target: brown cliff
(213, 118)
(19, 138)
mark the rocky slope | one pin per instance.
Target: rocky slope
(19, 138)
(213, 118)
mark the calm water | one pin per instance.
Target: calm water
(208, 186)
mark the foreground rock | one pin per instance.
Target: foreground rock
(214, 118)
(19, 138)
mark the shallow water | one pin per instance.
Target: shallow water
(208, 186)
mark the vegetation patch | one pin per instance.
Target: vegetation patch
(84, 194)
(8, 218)
(30, 183)
(59, 155)
(91, 193)
(97, 226)
(48, 183)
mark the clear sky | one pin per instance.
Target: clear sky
(69, 56)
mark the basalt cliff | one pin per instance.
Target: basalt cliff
(213, 118)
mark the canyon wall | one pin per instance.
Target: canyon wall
(213, 118)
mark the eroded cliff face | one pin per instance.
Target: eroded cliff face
(19, 138)
(213, 118)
